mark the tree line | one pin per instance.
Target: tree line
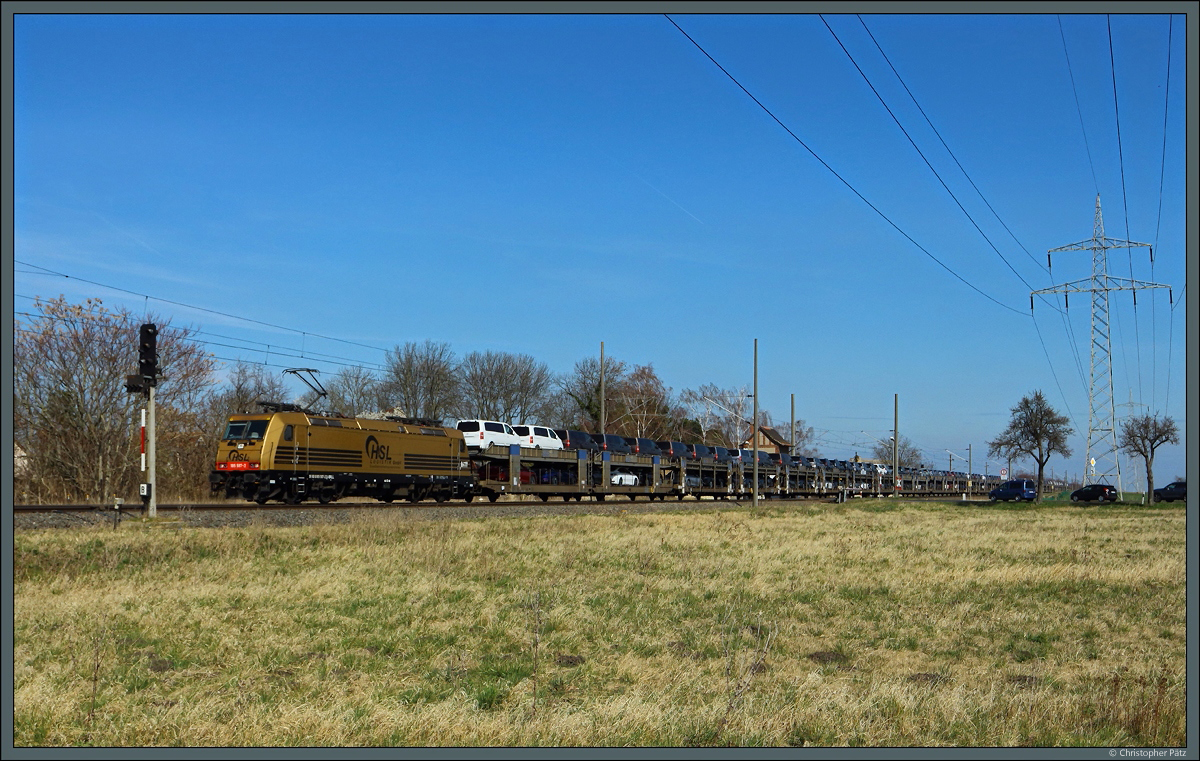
(76, 429)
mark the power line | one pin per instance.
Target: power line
(1066, 323)
(1125, 201)
(47, 270)
(918, 150)
(1078, 110)
(1062, 312)
(1056, 383)
(835, 174)
(944, 145)
(1158, 224)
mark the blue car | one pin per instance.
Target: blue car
(1017, 489)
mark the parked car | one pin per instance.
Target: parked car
(481, 434)
(624, 479)
(1095, 493)
(1017, 489)
(672, 449)
(538, 437)
(1171, 492)
(779, 458)
(699, 452)
(610, 442)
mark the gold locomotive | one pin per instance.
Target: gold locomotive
(291, 454)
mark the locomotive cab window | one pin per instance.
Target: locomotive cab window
(245, 429)
(287, 433)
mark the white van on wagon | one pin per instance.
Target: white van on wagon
(538, 437)
(481, 434)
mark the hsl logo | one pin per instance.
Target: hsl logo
(375, 450)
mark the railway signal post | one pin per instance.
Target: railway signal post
(144, 383)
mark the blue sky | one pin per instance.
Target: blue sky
(539, 184)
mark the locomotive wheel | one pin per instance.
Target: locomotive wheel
(293, 499)
(545, 497)
(469, 497)
(260, 500)
(439, 497)
(599, 497)
(325, 496)
(493, 497)
(387, 497)
(578, 497)
(633, 498)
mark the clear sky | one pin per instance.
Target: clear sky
(541, 183)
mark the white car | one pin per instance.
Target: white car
(481, 434)
(624, 479)
(538, 437)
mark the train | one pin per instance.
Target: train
(291, 455)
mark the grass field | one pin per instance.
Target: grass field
(866, 624)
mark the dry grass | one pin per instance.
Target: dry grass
(869, 624)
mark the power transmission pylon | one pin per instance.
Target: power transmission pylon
(1101, 464)
(1137, 474)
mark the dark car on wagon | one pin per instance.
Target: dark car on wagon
(1095, 493)
(699, 452)
(721, 454)
(779, 458)
(642, 446)
(577, 440)
(611, 442)
(672, 449)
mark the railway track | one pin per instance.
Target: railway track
(508, 502)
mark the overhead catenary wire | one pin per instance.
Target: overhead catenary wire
(270, 348)
(841, 179)
(48, 271)
(276, 350)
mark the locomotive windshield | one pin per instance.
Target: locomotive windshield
(245, 429)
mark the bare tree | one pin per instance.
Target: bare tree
(907, 452)
(501, 386)
(247, 385)
(422, 380)
(353, 391)
(723, 414)
(76, 422)
(1035, 430)
(1143, 434)
(582, 387)
(805, 440)
(648, 407)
